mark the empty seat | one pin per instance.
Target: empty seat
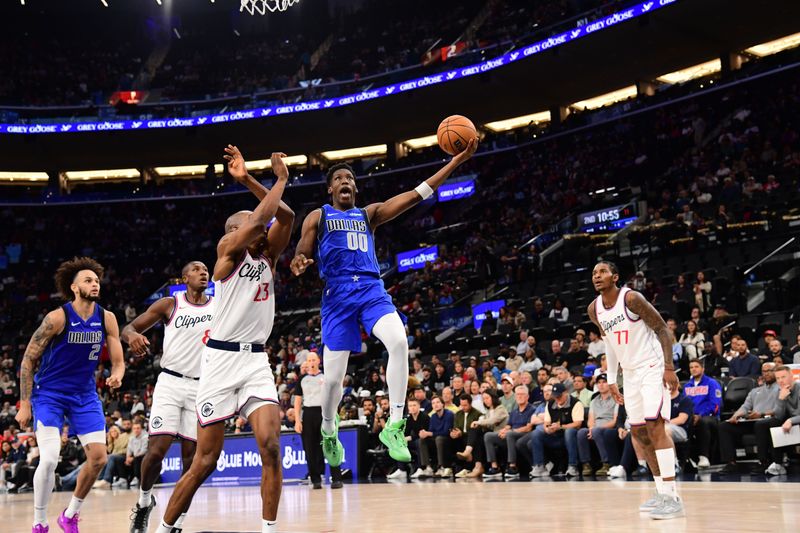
(735, 393)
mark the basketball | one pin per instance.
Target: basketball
(454, 134)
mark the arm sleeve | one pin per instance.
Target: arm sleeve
(613, 363)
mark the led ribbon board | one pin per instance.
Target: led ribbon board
(350, 99)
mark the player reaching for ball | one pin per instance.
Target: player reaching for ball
(638, 340)
(343, 237)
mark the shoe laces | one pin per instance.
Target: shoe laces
(139, 516)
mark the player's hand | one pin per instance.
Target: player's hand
(299, 264)
(787, 426)
(236, 166)
(114, 381)
(616, 394)
(138, 344)
(298, 427)
(23, 417)
(467, 152)
(671, 379)
(279, 165)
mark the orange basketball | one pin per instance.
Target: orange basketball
(454, 134)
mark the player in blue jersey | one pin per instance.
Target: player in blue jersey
(342, 236)
(67, 347)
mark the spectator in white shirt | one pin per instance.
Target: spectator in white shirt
(596, 344)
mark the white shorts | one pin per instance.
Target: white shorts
(646, 397)
(173, 412)
(233, 383)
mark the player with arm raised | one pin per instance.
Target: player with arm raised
(235, 374)
(67, 347)
(187, 322)
(342, 236)
(638, 340)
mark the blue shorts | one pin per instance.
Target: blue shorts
(345, 305)
(82, 411)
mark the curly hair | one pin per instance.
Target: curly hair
(65, 275)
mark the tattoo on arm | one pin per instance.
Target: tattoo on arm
(39, 341)
(636, 303)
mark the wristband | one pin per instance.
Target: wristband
(424, 190)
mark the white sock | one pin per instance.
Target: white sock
(164, 528)
(40, 515)
(144, 497)
(335, 368)
(659, 484)
(269, 526)
(391, 331)
(670, 489)
(179, 521)
(642, 462)
(74, 507)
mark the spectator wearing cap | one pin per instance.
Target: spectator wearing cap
(441, 422)
(462, 423)
(768, 336)
(787, 415)
(427, 379)
(706, 393)
(514, 436)
(499, 368)
(455, 357)
(507, 399)
(580, 338)
(596, 344)
(563, 416)
(581, 391)
(602, 420)
(514, 361)
(761, 402)
(744, 363)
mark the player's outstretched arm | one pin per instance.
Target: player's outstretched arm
(232, 245)
(132, 334)
(305, 248)
(639, 305)
(52, 324)
(114, 381)
(382, 212)
(281, 231)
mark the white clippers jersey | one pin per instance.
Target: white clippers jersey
(184, 335)
(633, 342)
(245, 303)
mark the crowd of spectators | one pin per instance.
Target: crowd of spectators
(193, 56)
(536, 185)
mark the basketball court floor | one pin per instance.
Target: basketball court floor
(466, 505)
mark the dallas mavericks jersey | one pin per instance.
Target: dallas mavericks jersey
(345, 244)
(69, 361)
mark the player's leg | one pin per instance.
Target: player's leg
(335, 368)
(391, 331)
(209, 445)
(157, 447)
(266, 423)
(87, 420)
(49, 440)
